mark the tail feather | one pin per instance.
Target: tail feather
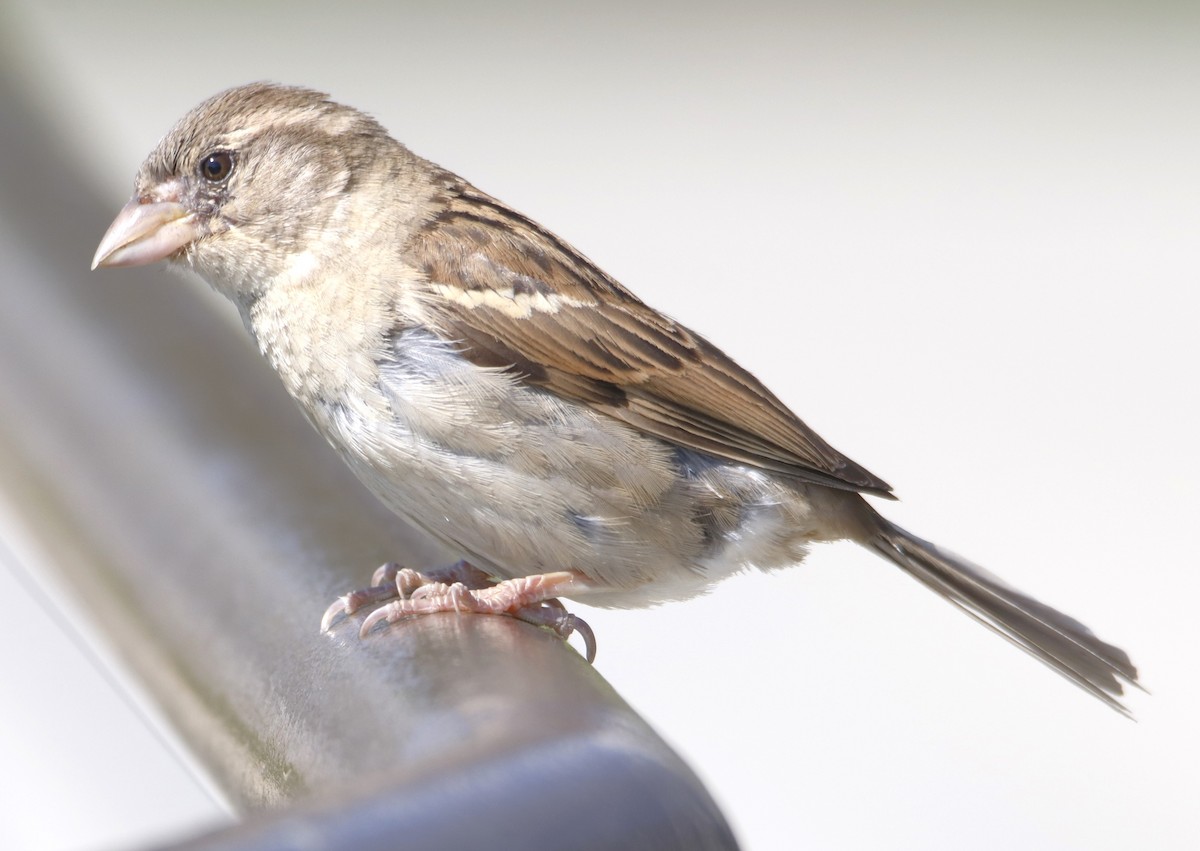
(1059, 641)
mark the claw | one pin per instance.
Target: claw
(574, 623)
(370, 621)
(382, 588)
(350, 603)
(385, 574)
(341, 606)
(552, 614)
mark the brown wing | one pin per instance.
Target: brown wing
(514, 294)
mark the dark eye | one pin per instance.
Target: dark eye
(216, 166)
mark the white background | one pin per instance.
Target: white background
(960, 243)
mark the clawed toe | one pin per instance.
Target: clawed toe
(348, 604)
(370, 621)
(341, 606)
(385, 574)
(580, 626)
(554, 615)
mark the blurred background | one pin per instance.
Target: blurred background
(959, 240)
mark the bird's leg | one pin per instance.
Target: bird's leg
(463, 588)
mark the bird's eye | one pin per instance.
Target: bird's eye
(216, 166)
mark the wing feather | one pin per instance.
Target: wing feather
(512, 294)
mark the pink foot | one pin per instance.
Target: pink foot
(391, 580)
(464, 588)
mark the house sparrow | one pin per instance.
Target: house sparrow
(496, 389)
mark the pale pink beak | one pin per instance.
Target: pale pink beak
(145, 232)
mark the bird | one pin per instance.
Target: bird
(496, 389)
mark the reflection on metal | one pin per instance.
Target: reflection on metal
(207, 527)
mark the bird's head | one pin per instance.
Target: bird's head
(244, 184)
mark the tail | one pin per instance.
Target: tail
(1061, 642)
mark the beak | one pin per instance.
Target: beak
(145, 232)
